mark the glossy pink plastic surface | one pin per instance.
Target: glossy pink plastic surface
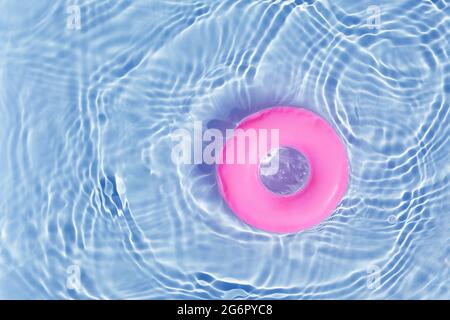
(241, 187)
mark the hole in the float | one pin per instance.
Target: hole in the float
(284, 171)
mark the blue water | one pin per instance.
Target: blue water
(92, 206)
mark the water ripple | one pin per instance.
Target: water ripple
(90, 193)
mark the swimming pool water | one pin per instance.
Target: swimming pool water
(92, 206)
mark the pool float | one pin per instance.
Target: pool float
(297, 183)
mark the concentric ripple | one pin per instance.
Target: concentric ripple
(93, 207)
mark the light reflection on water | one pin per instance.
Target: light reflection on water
(92, 206)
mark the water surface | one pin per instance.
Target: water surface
(92, 207)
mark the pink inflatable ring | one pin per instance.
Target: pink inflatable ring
(311, 173)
